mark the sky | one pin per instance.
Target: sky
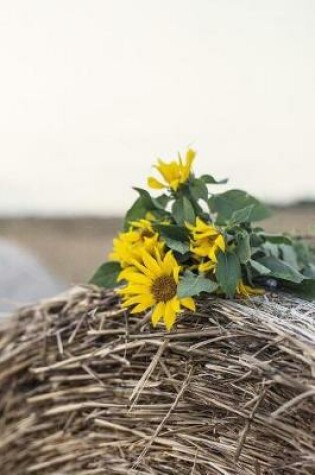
(93, 91)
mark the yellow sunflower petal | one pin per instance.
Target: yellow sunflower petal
(132, 301)
(169, 171)
(135, 278)
(175, 304)
(174, 184)
(220, 242)
(200, 223)
(244, 290)
(176, 272)
(200, 250)
(186, 169)
(143, 269)
(169, 263)
(134, 289)
(212, 254)
(207, 233)
(155, 184)
(141, 307)
(158, 312)
(206, 266)
(151, 263)
(169, 315)
(189, 303)
(190, 157)
(189, 226)
(158, 255)
(124, 274)
(129, 236)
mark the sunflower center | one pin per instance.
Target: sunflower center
(164, 288)
(146, 233)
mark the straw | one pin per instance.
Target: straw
(87, 389)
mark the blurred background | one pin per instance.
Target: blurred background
(91, 92)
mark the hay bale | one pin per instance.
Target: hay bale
(86, 390)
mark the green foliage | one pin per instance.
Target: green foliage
(243, 249)
(177, 246)
(233, 201)
(277, 238)
(309, 271)
(183, 211)
(192, 284)
(162, 201)
(106, 275)
(198, 190)
(259, 269)
(210, 180)
(289, 255)
(137, 211)
(306, 289)
(281, 270)
(172, 231)
(150, 203)
(228, 272)
(242, 215)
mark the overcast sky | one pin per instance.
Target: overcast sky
(92, 91)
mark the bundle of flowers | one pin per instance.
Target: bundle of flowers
(190, 241)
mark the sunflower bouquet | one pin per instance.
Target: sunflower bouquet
(189, 241)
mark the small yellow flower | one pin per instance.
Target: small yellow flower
(152, 283)
(206, 242)
(174, 173)
(206, 266)
(127, 246)
(246, 291)
(144, 226)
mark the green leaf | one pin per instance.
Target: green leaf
(210, 180)
(171, 231)
(309, 271)
(162, 200)
(306, 289)
(198, 190)
(106, 275)
(259, 268)
(304, 252)
(277, 238)
(289, 255)
(228, 272)
(243, 248)
(137, 211)
(242, 215)
(271, 249)
(148, 201)
(281, 270)
(191, 284)
(248, 273)
(183, 211)
(256, 240)
(225, 204)
(178, 246)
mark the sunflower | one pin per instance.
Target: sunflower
(243, 290)
(152, 283)
(206, 242)
(174, 173)
(128, 245)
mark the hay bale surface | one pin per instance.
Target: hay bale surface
(87, 389)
